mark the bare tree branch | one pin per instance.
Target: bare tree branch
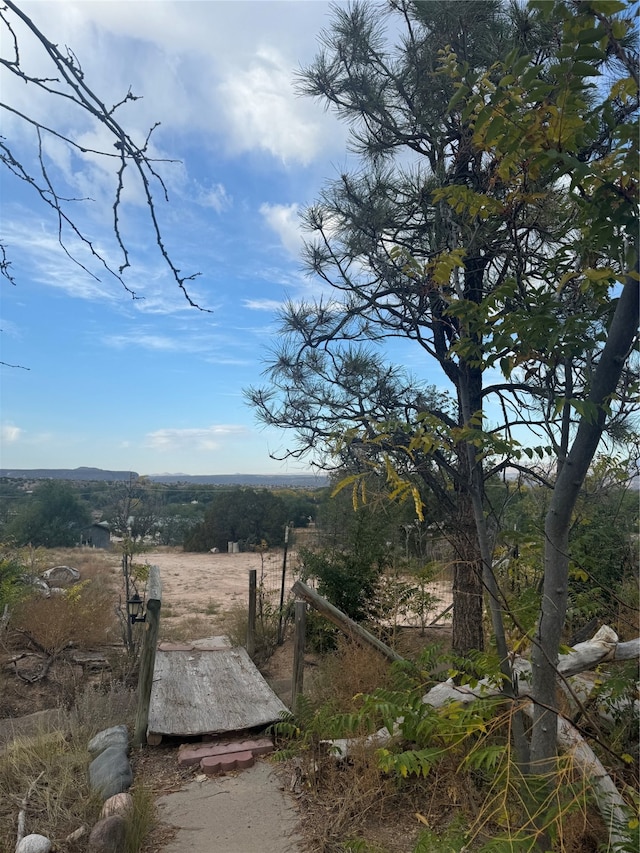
(68, 82)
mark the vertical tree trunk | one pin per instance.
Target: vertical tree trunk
(467, 581)
(544, 658)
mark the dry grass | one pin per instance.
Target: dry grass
(350, 670)
(186, 628)
(60, 800)
(83, 617)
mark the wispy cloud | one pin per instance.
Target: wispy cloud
(10, 433)
(50, 264)
(271, 305)
(207, 438)
(145, 341)
(215, 196)
(284, 220)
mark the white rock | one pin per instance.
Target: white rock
(34, 844)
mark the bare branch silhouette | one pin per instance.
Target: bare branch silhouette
(132, 161)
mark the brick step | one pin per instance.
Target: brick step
(213, 765)
(222, 756)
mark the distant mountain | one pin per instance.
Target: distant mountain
(264, 481)
(66, 474)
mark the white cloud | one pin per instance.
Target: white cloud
(10, 433)
(216, 197)
(142, 340)
(207, 438)
(284, 220)
(264, 113)
(51, 265)
(211, 67)
(271, 305)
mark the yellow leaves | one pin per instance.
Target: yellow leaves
(74, 593)
(444, 264)
(624, 90)
(465, 201)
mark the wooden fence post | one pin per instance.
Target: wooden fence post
(282, 585)
(251, 621)
(350, 628)
(297, 682)
(148, 656)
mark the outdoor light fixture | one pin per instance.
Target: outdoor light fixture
(135, 609)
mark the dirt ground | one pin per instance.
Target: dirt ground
(210, 584)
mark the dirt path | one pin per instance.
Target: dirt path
(248, 811)
(244, 812)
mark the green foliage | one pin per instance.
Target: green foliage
(246, 516)
(53, 517)
(349, 581)
(451, 840)
(12, 572)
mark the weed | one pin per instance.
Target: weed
(140, 819)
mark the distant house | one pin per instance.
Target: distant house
(96, 535)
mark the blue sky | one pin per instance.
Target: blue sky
(153, 385)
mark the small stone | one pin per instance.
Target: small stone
(108, 835)
(118, 804)
(34, 844)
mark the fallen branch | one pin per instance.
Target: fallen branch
(604, 646)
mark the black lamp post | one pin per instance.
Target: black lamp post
(135, 609)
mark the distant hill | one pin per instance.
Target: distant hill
(265, 481)
(66, 474)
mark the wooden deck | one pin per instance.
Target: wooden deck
(208, 687)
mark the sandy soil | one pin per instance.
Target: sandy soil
(213, 583)
(196, 584)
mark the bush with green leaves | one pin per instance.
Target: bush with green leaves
(246, 516)
(12, 586)
(53, 517)
(502, 809)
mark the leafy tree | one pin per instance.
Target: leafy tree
(394, 254)
(53, 518)
(513, 251)
(12, 585)
(175, 521)
(354, 548)
(301, 505)
(246, 516)
(553, 120)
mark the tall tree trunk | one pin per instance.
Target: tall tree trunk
(620, 338)
(467, 621)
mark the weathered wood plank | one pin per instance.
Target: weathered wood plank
(148, 655)
(209, 692)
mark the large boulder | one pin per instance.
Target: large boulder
(110, 772)
(61, 576)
